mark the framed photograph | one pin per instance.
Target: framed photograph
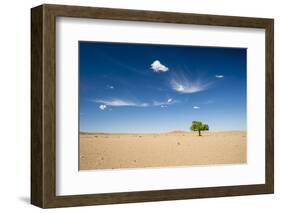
(136, 106)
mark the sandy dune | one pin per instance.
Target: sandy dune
(113, 151)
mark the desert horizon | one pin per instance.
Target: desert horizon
(170, 149)
(162, 132)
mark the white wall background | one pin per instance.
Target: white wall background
(15, 105)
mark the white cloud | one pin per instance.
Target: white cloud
(143, 105)
(102, 107)
(196, 107)
(110, 87)
(183, 85)
(170, 101)
(163, 106)
(158, 67)
(120, 102)
(219, 76)
(158, 103)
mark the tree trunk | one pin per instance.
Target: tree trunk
(199, 132)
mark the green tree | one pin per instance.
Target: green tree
(199, 126)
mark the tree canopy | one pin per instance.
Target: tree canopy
(199, 126)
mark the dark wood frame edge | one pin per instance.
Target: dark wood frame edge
(43, 106)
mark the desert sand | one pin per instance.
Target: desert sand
(115, 151)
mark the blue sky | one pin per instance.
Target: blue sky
(144, 88)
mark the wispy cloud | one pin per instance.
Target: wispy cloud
(102, 107)
(109, 87)
(120, 102)
(196, 107)
(170, 101)
(156, 66)
(185, 85)
(219, 76)
(128, 103)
